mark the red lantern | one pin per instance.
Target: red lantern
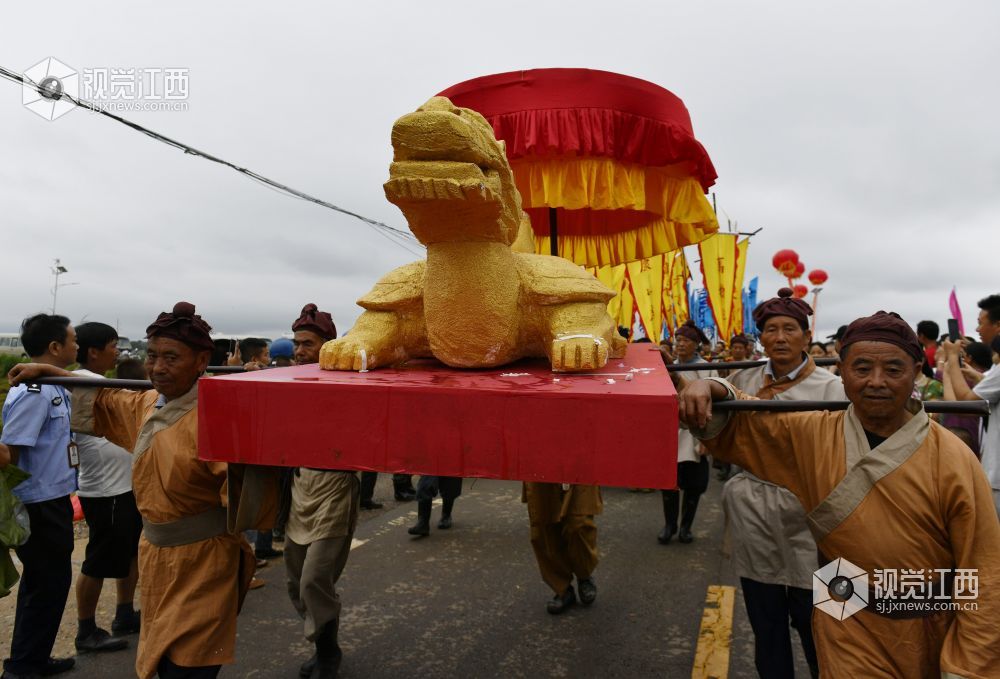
(800, 269)
(800, 291)
(785, 261)
(818, 277)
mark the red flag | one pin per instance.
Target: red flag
(956, 311)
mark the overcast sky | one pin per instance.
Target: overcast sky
(861, 134)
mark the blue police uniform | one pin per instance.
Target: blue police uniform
(36, 422)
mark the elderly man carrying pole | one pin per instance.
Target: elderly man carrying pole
(193, 572)
(900, 509)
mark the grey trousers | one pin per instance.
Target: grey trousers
(313, 571)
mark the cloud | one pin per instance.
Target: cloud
(860, 134)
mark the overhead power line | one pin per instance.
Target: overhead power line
(404, 239)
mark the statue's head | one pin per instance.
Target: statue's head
(451, 178)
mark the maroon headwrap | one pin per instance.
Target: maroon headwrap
(740, 339)
(314, 320)
(183, 325)
(691, 331)
(884, 327)
(783, 305)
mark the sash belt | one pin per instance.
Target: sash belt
(186, 530)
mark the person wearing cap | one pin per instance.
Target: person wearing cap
(692, 466)
(321, 523)
(740, 347)
(772, 550)
(282, 352)
(899, 507)
(193, 573)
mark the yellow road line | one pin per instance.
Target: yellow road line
(711, 658)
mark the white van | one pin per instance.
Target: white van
(10, 345)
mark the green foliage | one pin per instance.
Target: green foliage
(7, 362)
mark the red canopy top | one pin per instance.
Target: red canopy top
(583, 112)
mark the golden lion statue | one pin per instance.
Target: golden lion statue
(479, 300)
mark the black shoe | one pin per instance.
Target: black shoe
(370, 504)
(56, 666)
(423, 525)
(306, 670)
(588, 590)
(665, 535)
(685, 535)
(561, 602)
(99, 641)
(405, 495)
(445, 522)
(269, 553)
(129, 625)
(327, 668)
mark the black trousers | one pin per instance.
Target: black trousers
(368, 480)
(45, 581)
(692, 478)
(428, 488)
(284, 498)
(402, 482)
(770, 608)
(168, 670)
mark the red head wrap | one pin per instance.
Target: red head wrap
(783, 305)
(314, 320)
(183, 325)
(692, 332)
(884, 327)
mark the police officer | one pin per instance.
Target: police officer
(36, 430)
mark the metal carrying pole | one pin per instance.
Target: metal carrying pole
(731, 365)
(978, 408)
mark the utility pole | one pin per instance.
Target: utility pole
(57, 270)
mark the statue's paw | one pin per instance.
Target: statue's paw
(574, 353)
(346, 353)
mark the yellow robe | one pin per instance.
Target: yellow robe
(191, 593)
(931, 509)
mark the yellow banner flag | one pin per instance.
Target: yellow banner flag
(679, 276)
(614, 278)
(626, 310)
(741, 267)
(718, 270)
(666, 299)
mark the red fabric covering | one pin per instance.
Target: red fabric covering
(578, 111)
(429, 419)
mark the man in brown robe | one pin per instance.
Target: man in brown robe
(773, 553)
(193, 572)
(321, 523)
(564, 539)
(900, 509)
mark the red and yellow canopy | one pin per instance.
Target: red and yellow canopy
(616, 157)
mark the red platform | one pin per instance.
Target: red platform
(520, 422)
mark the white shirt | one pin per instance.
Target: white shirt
(105, 469)
(687, 447)
(988, 389)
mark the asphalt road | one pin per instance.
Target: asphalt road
(469, 602)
